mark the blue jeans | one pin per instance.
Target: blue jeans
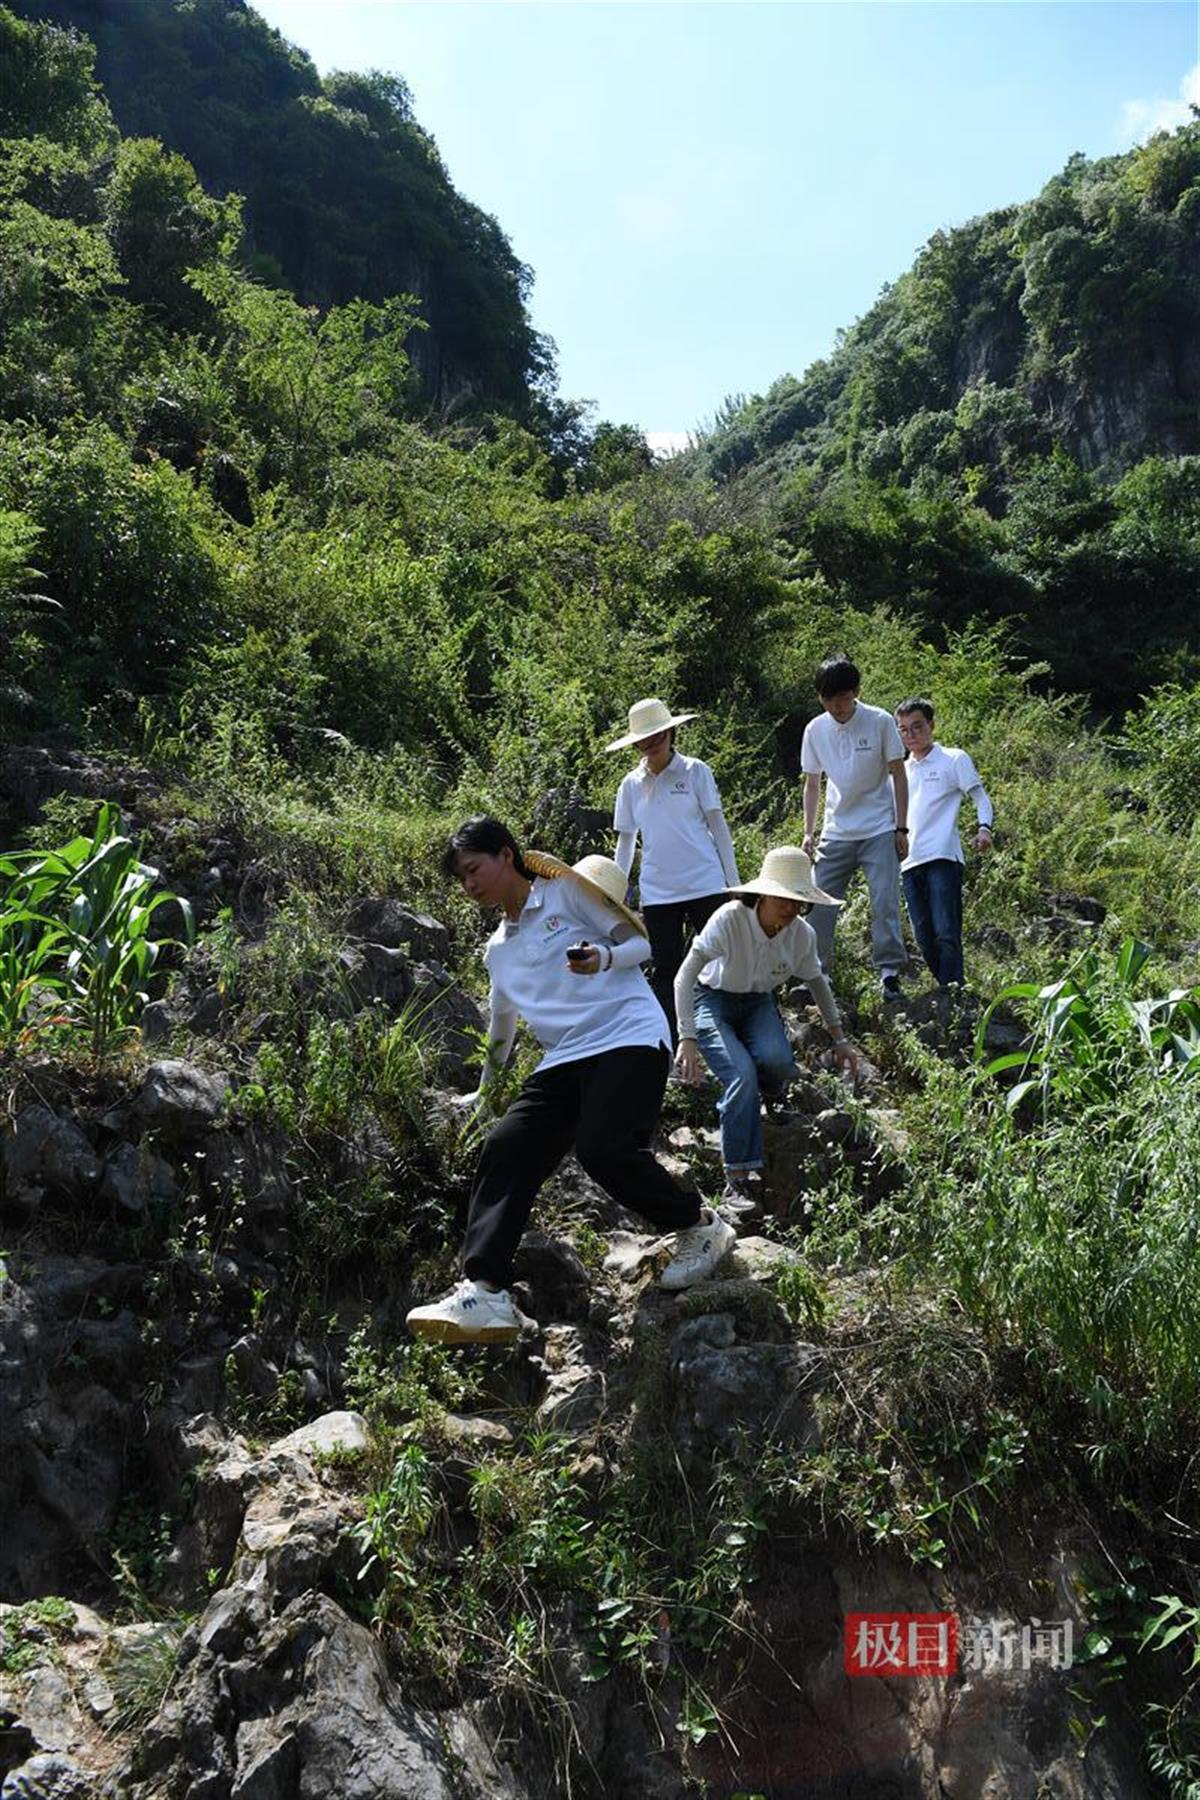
(741, 1038)
(933, 895)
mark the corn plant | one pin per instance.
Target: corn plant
(1088, 1027)
(29, 984)
(93, 901)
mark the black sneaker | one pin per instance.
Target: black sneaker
(890, 988)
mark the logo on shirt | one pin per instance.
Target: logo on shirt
(553, 923)
(679, 787)
(862, 743)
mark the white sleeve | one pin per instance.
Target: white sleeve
(623, 854)
(502, 1029)
(893, 749)
(718, 830)
(810, 762)
(971, 783)
(705, 789)
(822, 993)
(623, 819)
(628, 947)
(685, 986)
(806, 963)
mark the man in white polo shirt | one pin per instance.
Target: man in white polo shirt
(932, 872)
(858, 751)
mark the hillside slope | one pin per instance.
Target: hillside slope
(346, 196)
(1073, 319)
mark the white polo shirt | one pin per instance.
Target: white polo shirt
(936, 785)
(854, 760)
(734, 952)
(679, 858)
(572, 1016)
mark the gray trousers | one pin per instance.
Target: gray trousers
(837, 859)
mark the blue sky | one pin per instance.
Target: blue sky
(707, 191)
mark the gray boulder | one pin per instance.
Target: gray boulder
(47, 1153)
(135, 1178)
(48, 1777)
(729, 1396)
(553, 1277)
(299, 1706)
(180, 1100)
(387, 922)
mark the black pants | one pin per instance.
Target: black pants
(664, 927)
(604, 1107)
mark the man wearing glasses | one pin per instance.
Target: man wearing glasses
(932, 872)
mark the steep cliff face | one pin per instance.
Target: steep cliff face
(345, 195)
(1073, 320)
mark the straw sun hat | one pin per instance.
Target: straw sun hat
(604, 879)
(787, 873)
(646, 719)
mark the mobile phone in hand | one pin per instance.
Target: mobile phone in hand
(578, 953)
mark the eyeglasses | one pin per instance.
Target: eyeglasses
(915, 728)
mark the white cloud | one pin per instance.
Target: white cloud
(1140, 119)
(668, 443)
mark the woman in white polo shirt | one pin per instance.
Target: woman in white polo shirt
(725, 998)
(566, 957)
(688, 862)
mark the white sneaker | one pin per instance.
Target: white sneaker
(468, 1314)
(698, 1250)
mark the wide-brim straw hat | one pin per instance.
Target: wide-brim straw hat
(787, 873)
(646, 719)
(604, 879)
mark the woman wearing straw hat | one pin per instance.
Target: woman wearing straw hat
(688, 860)
(565, 957)
(747, 950)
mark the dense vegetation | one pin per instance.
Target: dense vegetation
(345, 196)
(1011, 431)
(229, 546)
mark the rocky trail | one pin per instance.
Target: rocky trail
(188, 1446)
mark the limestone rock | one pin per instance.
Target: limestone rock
(251, 1162)
(576, 1389)
(449, 1021)
(836, 1125)
(728, 1394)
(463, 1430)
(48, 1777)
(180, 1100)
(46, 1152)
(375, 975)
(388, 922)
(554, 1277)
(299, 1704)
(135, 1178)
(332, 1432)
(631, 1257)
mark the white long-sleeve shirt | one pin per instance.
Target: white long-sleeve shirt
(937, 782)
(733, 952)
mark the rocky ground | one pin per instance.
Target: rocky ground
(186, 1611)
